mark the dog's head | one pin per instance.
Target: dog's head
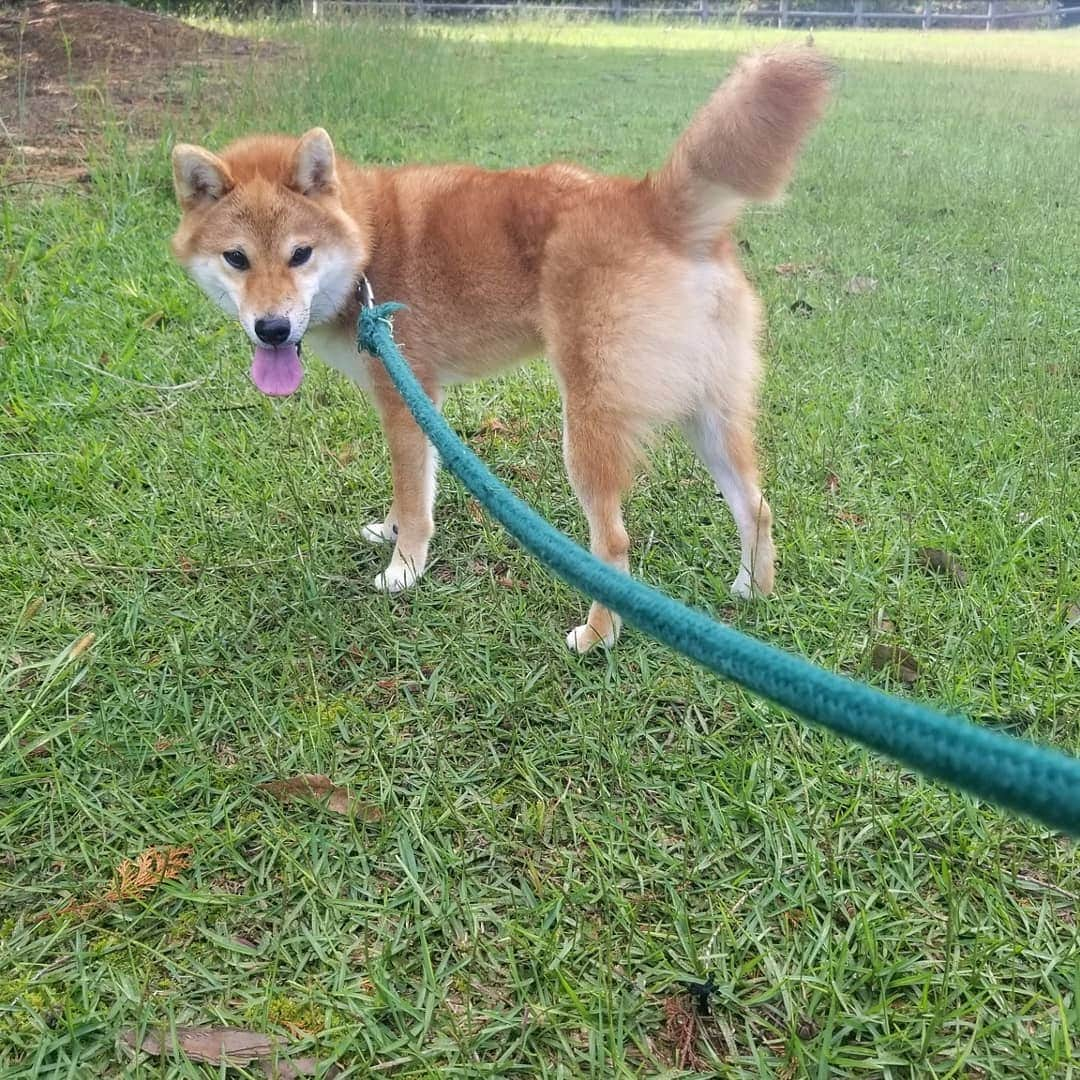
(265, 235)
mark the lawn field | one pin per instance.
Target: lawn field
(547, 848)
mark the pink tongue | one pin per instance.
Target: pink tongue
(277, 371)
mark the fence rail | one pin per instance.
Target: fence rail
(989, 14)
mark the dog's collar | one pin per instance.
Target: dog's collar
(363, 287)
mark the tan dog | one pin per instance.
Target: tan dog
(630, 287)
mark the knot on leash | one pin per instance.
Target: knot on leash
(375, 326)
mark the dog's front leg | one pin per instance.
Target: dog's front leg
(413, 465)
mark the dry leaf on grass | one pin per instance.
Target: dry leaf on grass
(896, 660)
(832, 483)
(941, 562)
(232, 1047)
(1072, 616)
(790, 269)
(317, 788)
(134, 879)
(858, 285)
(801, 307)
(214, 1046)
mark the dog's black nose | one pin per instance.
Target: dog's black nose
(273, 330)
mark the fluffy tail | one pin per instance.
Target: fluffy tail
(743, 143)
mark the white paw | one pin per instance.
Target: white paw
(396, 578)
(742, 588)
(378, 532)
(583, 638)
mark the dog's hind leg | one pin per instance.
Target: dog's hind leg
(726, 447)
(599, 447)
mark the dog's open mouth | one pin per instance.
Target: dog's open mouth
(277, 371)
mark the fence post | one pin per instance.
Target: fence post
(783, 13)
(616, 9)
(1055, 14)
(989, 14)
(927, 14)
(703, 10)
(858, 12)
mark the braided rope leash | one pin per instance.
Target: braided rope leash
(1031, 780)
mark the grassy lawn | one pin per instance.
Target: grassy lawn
(559, 843)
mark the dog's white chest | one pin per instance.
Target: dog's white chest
(340, 352)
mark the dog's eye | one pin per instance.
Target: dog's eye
(236, 259)
(300, 256)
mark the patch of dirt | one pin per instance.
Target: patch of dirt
(68, 68)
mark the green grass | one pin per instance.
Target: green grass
(563, 841)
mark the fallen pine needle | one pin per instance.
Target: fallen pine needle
(134, 879)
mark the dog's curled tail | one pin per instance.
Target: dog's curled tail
(742, 145)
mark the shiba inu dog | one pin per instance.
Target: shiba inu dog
(630, 287)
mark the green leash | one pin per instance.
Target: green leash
(1036, 781)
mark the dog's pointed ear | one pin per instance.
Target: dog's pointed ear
(314, 172)
(198, 176)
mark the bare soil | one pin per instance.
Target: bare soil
(69, 68)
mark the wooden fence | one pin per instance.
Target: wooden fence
(987, 14)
